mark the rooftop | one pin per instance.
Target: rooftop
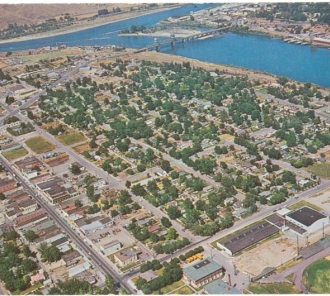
(202, 269)
(306, 216)
(125, 254)
(249, 236)
(219, 287)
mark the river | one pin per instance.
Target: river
(302, 63)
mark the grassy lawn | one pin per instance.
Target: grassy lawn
(302, 203)
(170, 288)
(316, 277)
(128, 267)
(183, 291)
(25, 292)
(320, 169)
(71, 138)
(16, 153)
(135, 279)
(160, 271)
(39, 145)
(273, 288)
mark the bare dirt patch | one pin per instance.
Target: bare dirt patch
(270, 254)
(81, 148)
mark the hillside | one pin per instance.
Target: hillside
(37, 13)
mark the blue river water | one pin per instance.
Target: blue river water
(302, 63)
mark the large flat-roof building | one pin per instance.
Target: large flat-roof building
(202, 272)
(308, 219)
(247, 237)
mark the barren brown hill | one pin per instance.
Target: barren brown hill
(37, 13)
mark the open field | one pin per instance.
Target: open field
(71, 138)
(170, 288)
(316, 277)
(273, 288)
(320, 169)
(39, 145)
(13, 154)
(183, 291)
(42, 56)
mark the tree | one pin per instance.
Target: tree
(166, 166)
(90, 191)
(138, 190)
(10, 235)
(114, 213)
(28, 265)
(173, 212)
(140, 283)
(172, 234)
(2, 196)
(110, 283)
(30, 235)
(166, 222)
(78, 203)
(75, 169)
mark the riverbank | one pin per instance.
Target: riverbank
(225, 69)
(84, 25)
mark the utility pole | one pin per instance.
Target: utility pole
(297, 246)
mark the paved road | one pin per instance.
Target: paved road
(102, 264)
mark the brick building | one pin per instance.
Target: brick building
(202, 272)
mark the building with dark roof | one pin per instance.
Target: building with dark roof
(28, 162)
(71, 258)
(202, 272)
(247, 237)
(308, 219)
(7, 184)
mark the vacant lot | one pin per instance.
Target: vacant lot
(271, 253)
(81, 148)
(40, 145)
(320, 169)
(71, 138)
(13, 154)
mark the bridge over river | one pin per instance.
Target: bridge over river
(173, 39)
